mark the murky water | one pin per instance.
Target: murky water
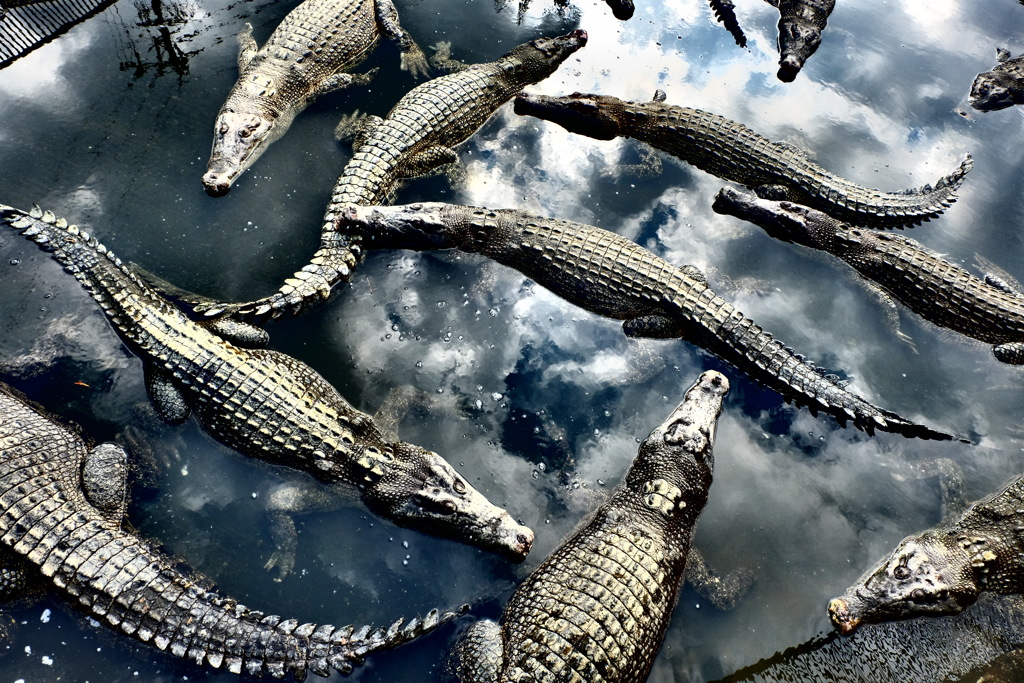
(539, 403)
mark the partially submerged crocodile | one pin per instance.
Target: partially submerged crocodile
(801, 23)
(268, 405)
(416, 137)
(943, 570)
(734, 152)
(1001, 87)
(61, 517)
(937, 290)
(597, 608)
(609, 275)
(308, 55)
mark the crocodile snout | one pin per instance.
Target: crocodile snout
(789, 67)
(839, 613)
(216, 184)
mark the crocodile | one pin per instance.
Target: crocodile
(801, 23)
(598, 607)
(734, 152)
(939, 291)
(416, 137)
(612, 276)
(943, 570)
(1001, 87)
(307, 55)
(62, 518)
(268, 405)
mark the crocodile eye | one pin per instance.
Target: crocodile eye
(245, 132)
(448, 507)
(902, 572)
(223, 129)
(919, 595)
(459, 486)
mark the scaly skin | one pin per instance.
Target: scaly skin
(943, 570)
(939, 291)
(597, 608)
(801, 23)
(306, 56)
(416, 137)
(1001, 87)
(271, 406)
(49, 524)
(612, 276)
(733, 152)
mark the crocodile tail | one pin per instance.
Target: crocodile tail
(92, 264)
(725, 13)
(332, 263)
(741, 342)
(860, 206)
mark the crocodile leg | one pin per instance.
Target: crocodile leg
(342, 81)
(297, 497)
(105, 480)
(721, 591)
(429, 160)
(167, 399)
(413, 59)
(481, 653)
(247, 47)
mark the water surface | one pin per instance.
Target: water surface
(540, 404)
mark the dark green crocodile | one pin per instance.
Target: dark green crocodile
(1001, 87)
(801, 23)
(61, 517)
(269, 405)
(609, 275)
(597, 608)
(734, 152)
(937, 290)
(306, 56)
(416, 137)
(945, 569)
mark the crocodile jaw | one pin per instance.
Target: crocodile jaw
(590, 115)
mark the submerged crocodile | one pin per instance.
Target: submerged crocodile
(61, 516)
(734, 152)
(306, 56)
(801, 23)
(416, 137)
(597, 608)
(1001, 87)
(939, 291)
(268, 405)
(612, 276)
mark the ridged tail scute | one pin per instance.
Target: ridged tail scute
(75, 249)
(899, 209)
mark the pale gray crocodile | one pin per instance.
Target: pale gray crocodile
(939, 291)
(734, 152)
(268, 405)
(945, 569)
(1001, 87)
(801, 23)
(612, 276)
(597, 608)
(307, 55)
(416, 137)
(60, 516)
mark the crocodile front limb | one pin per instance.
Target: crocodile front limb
(53, 525)
(417, 136)
(939, 291)
(268, 405)
(597, 608)
(612, 276)
(734, 152)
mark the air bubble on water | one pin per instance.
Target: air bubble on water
(45, 616)
(492, 312)
(536, 474)
(496, 396)
(542, 467)
(15, 261)
(419, 364)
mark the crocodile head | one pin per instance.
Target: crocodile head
(239, 138)
(538, 59)
(929, 574)
(596, 116)
(784, 221)
(416, 488)
(798, 40)
(994, 90)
